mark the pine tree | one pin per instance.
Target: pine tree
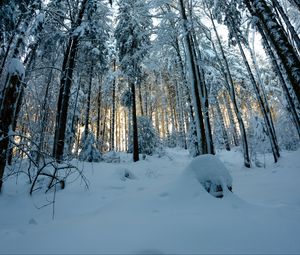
(133, 39)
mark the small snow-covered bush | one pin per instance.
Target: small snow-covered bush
(89, 151)
(288, 138)
(211, 173)
(147, 136)
(112, 157)
(126, 99)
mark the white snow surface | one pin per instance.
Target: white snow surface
(16, 67)
(162, 210)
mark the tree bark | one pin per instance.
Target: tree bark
(276, 34)
(65, 88)
(201, 134)
(276, 67)
(289, 26)
(112, 136)
(134, 125)
(230, 86)
(272, 136)
(88, 103)
(7, 112)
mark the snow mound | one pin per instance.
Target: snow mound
(112, 157)
(125, 174)
(211, 173)
(16, 68)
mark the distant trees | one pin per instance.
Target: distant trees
(133, 40)
(76, 81)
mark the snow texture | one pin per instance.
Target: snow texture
(163, 210)
(16, 68)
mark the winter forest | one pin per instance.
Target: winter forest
(149, 126)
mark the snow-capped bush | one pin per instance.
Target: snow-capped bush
(211, 173)
(126, 99)
(258, 139)
(89, 151)
(112, 157)
(147, 136)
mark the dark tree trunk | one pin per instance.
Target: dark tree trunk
(289, 26)
(44, 116)
(10, 42)
(112, 130)
(65, 88)
(279, 41)
(194, 84)
(141, 98)
(276, 67)
(27, 63)
(10, 96)
(98, 113)
(204, 95)
(268, 123)
(88, 103)
(63, 103)
(230, 86)
(134, 125)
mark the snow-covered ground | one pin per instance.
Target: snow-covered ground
(158, 210)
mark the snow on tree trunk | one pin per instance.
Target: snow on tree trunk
(271, 134)
(231, 91)
(287, 22)
(194, 80)
(9, 98)
(279, 41)
(278, 72)
(65, 88)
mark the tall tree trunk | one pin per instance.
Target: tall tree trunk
(272, 136)
(276, 34)
(10, 96)
(134, 125)
(286, 20)
(98, 113)
(179, 111)
(199, 120)
(60, 130)
(230, 86)
(9, 45)
(278, 72)
(263, 92)
(141, 97)
(65, 88)
(112, 131)
(88, 104)
(44, 117)
(204, 95)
